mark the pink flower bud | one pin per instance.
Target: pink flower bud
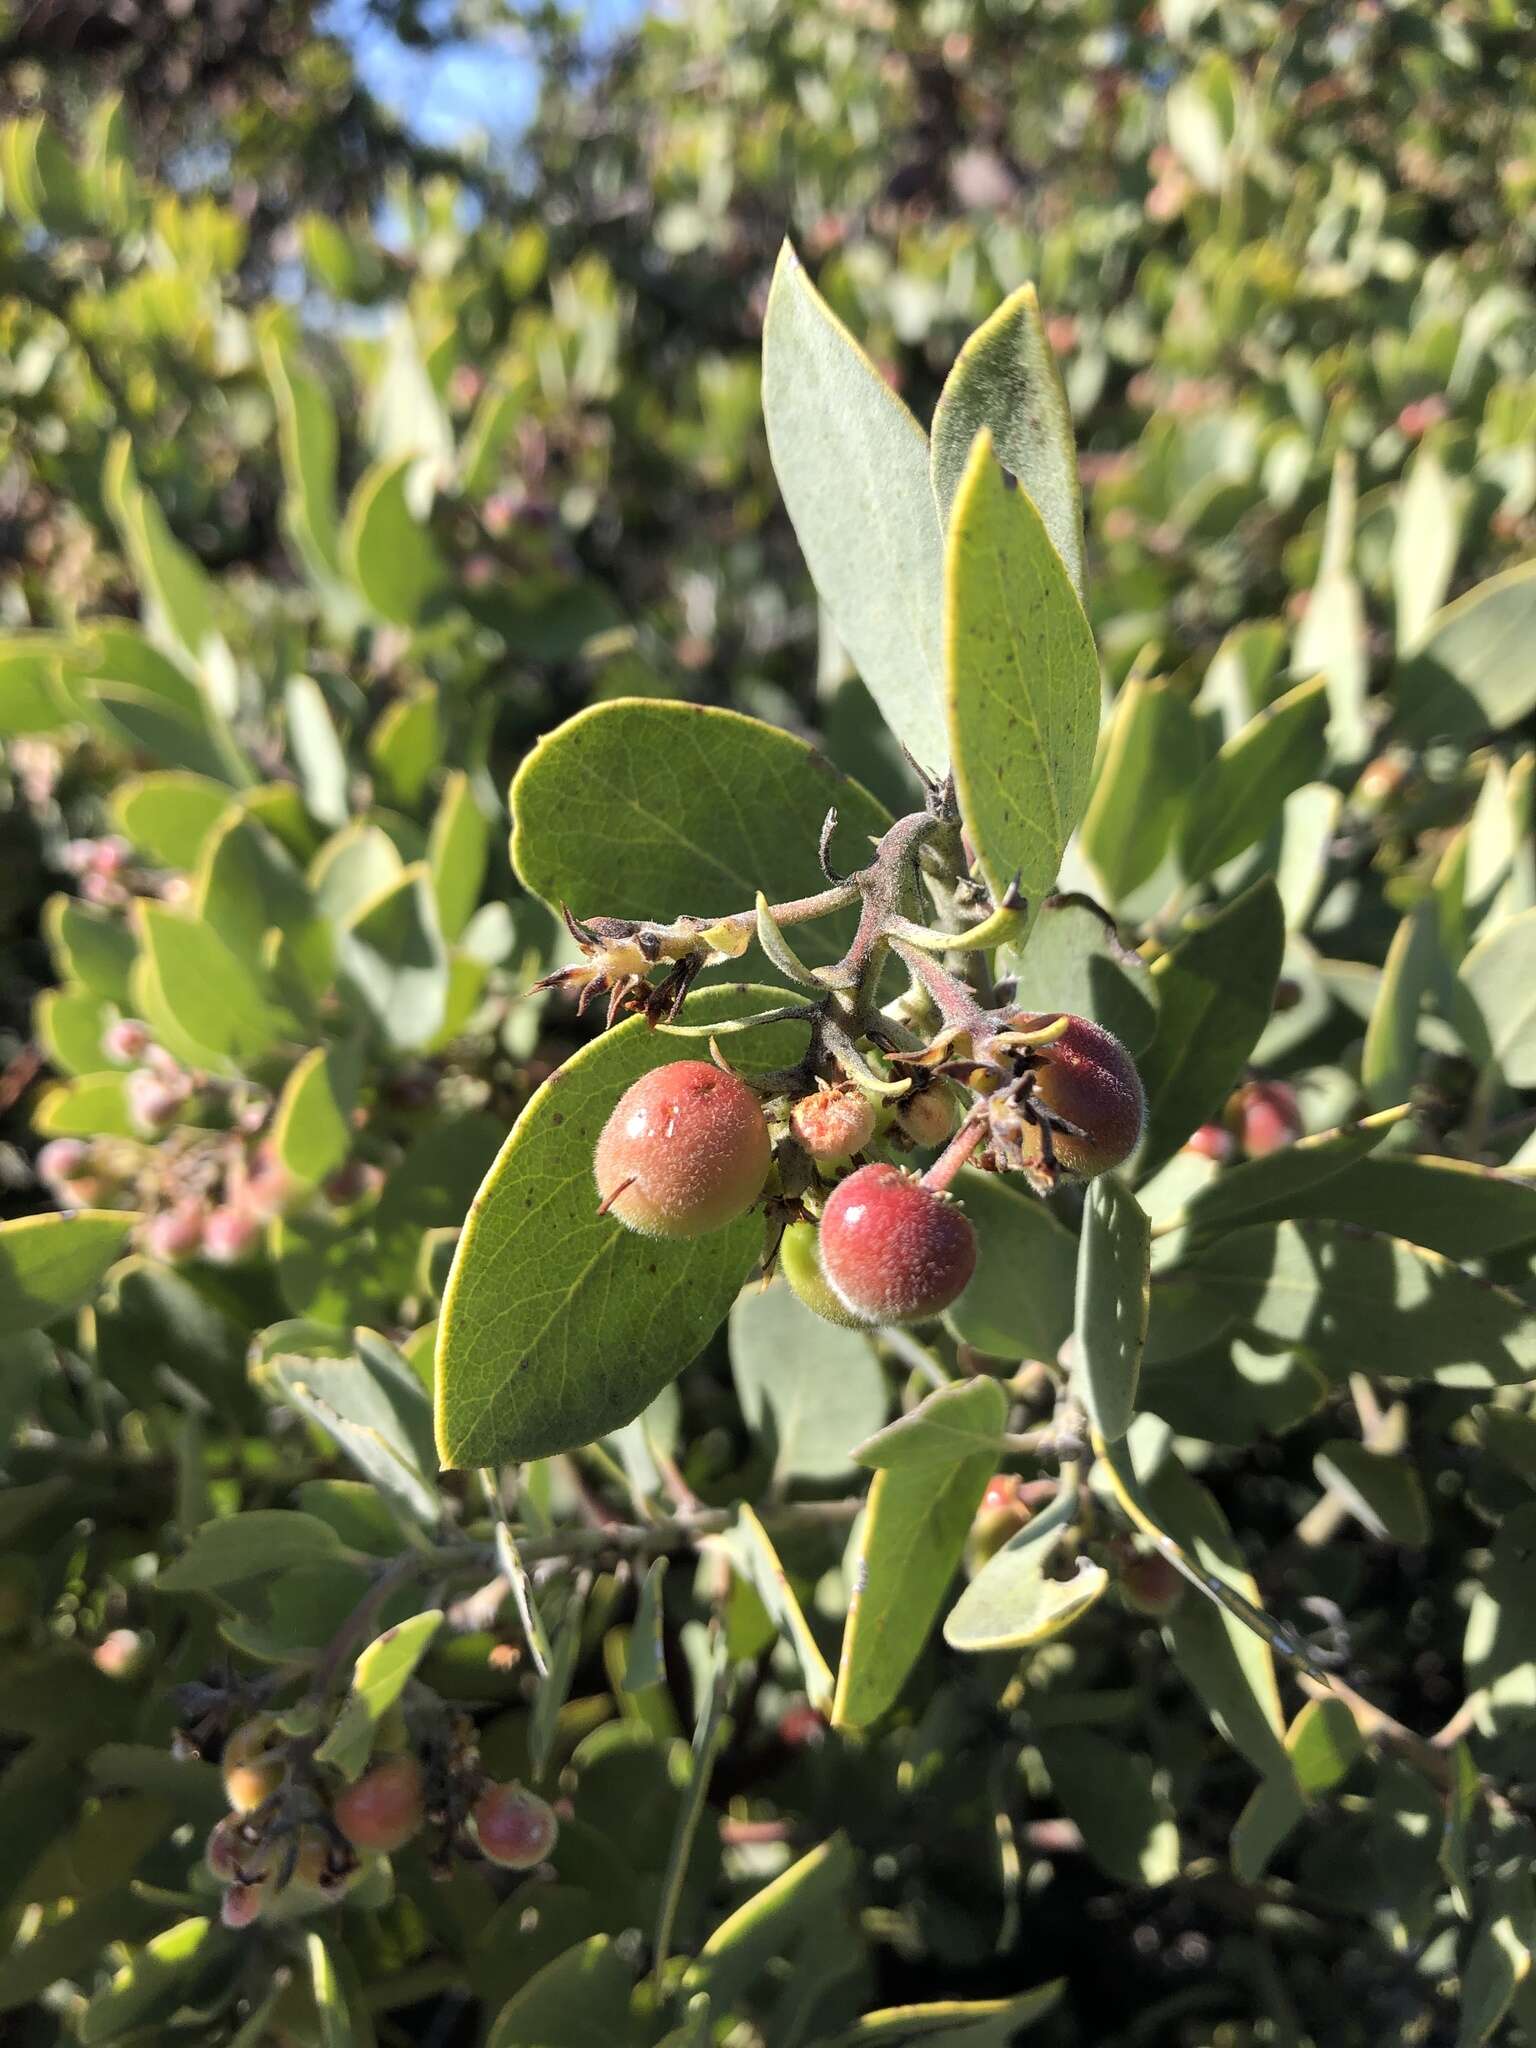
(62, 1159)
(152, 1102)
(175, 1233)
(127, 1040)
(228, 1235)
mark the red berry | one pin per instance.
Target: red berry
(800, 1263)
(833, 1124)
(1267, 1116)
(1211, 1141)
(514, 1828)
(893, 1250)
(929, 1117)
(685, 1151)
(1087, 1078)
(382, 1811)
(1149, 1584)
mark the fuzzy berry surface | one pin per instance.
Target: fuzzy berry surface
(514, 1828)
(1088, 1077)
(383, 1809)
(800, 1263)
(893, 1250)
(685, 1151)
(832, 1124)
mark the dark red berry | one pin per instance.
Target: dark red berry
(893, 1250)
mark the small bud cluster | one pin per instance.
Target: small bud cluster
(295, 1840)
(692, 1145)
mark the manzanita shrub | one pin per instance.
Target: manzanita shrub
(1122, 1154)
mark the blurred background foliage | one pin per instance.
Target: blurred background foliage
(407, 444)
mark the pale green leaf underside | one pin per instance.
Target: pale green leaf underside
(852, 464)
(1006, 380)
(1021, 679)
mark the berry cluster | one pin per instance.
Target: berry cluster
(862, 1240)
(295, 1841)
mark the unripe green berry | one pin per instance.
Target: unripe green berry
(929, 1117)
(800, 1262)
(685, 1151)
(894, 1250)
(253, 1763)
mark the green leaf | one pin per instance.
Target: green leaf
(1389, 1061)
(812, 1389)
(1215, 990)
(392, 952)
(1497, 977)
(1127, 1826)
(1498, 1963)
(645, 1661)
(1442, 1205)
(91, 947)
(1113, 1295)
(643, 809)
(312, 1130)
(962, 2023)
(353, 868)
(1021, 681)
(1152, 754)
(1380, 1490)
(317, 751)
(406, 746)
(1425, 541)
(168, 814)
(1290, 1182)
(379, 1677)
(93, 1106)
(1012, 1603)
(204, 987)
(456, 854)
(369, 1400)
(1470, 671)
(581, 2000)
(751, 1550)
(1332, 637)
(852, 464)
(388, 552)
(933, 1469)
(1020, 1302)
(1235, 1392)
(50, 1265)
(1074, 962)
(559, 1325)
(180, 594)
(1322, 1743)
(155, 1979)
(1350, 1297)
(247, 887)
(70, 1024)
(30, 698)
(741, 1947)
(1240, 794)
(307, 445)
(1005, 380)
(248, 1546)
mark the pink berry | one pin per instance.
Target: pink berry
(1268, 1117)
(1211, 1141)
(685, 1151)
(152, 1102)
(176, 1232)
(832, 1124)
(893, 1250)
(382, 1811)
(228, 1234)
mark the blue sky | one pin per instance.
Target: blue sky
(486, 84)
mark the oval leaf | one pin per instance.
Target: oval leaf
(1113, 1294)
